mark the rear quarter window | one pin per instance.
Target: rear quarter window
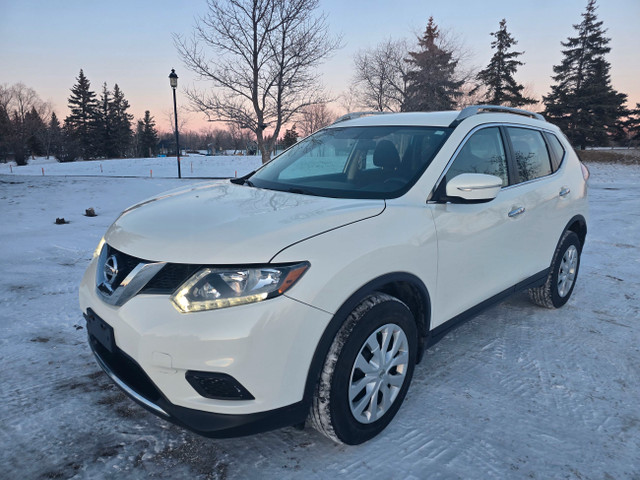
(557, 150)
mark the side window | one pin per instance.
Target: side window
(483, 152)
(531, 155)
(557, 150)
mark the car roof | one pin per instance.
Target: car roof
(435, 119)
(450, 118)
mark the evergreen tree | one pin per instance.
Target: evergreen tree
(582, 102)
(149, 136)
(35, 133)
(633, 126)
(105, 142)
(121, 123)
(290, 137)
(432, 83)
(137, 138)
(54, 136)
(70, 148)
(81, 122)
(502, 89)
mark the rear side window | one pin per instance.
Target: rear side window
(557, 150)
(530, 152)
(484, 153)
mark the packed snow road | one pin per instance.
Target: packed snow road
(516, 392)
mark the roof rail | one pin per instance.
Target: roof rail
(352, 115)
(475, 109)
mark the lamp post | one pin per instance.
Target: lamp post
(173, 81)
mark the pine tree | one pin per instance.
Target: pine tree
(502, 89)
(290, 137)
(105, 142)
(54, 136)
(35, 133)
(137, 139)
(582, 102)
(149, 136)
(633, 126)
(81, 122)
(432, 83)
(70, 148)
(121, 122)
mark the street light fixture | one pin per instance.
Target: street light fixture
(173, 81)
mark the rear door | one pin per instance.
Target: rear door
(545, 197)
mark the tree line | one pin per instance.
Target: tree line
(96, 127)
(582, 101)
(262, 59)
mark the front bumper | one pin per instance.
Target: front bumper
(267, 347)
(130, 377)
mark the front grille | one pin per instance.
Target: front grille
(126, 263)
(170, 277)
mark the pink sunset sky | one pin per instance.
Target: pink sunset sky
(46, 43)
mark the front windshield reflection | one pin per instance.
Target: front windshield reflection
(354, 162)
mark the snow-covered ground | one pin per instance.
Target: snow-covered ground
(517, 392)
(192, 166)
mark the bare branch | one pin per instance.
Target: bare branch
(260, 57)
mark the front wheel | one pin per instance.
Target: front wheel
(367, 371)
(562, 276)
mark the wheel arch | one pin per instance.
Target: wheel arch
(405, 286)
(578, 225)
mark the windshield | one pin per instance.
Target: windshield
(354, 162)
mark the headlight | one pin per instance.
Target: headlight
(212, 288)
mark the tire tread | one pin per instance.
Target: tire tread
(542, 295)
(320, 413)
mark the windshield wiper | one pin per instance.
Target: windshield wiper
(243, 180)
(301, 191)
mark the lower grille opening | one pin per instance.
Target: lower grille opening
(128, 371)
(219, 386)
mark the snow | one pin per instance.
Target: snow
(516, 392)
(192, 166)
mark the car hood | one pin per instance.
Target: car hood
(225, 223)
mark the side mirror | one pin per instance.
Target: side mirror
(474, 187)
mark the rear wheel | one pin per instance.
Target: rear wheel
(367, 371)
(562, 277)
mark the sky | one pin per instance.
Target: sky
(45, 43)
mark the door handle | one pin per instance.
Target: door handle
(565, 191)
(516, 211)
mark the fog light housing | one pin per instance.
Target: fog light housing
(218, 386)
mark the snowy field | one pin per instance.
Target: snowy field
(516, 392)
(192, 166)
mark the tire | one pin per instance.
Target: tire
(562, 276)
(380, 383)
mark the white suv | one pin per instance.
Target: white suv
(309, 289)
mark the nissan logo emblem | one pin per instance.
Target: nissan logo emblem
(110, 270)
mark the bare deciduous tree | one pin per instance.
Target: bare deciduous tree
(347, 101)
(20, 106)
(314, 117)
(184, 115)
(260, 56)
(380, 80)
